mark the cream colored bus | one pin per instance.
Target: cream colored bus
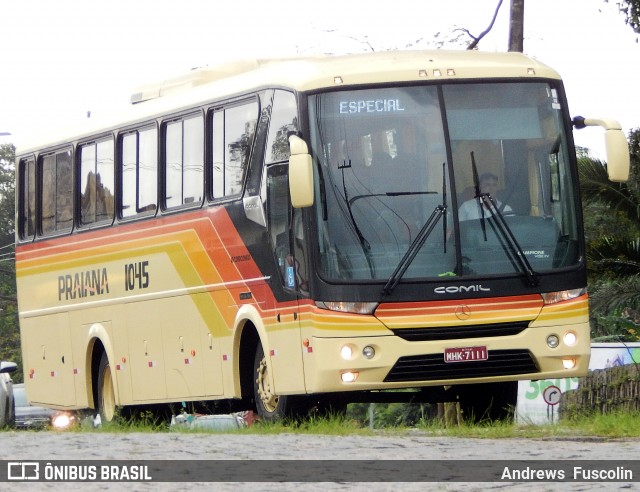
(280, 235)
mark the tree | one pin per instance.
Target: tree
(631, 11)
(476, 39)
(612, 229)
(9, 327)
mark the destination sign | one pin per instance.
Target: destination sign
(370, 106)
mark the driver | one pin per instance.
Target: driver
(472, 209)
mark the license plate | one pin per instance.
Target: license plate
(465, 354)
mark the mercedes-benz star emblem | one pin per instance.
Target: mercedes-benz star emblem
(463, 312)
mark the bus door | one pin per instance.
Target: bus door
(289, 285)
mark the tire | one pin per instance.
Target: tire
(11, 421)
(106, 391)
(5, 419)
(488, 402)
(270, 406)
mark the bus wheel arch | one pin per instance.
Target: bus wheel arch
(103, 392)
(248, 342)
(269, 405)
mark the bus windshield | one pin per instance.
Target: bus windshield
(451, 180)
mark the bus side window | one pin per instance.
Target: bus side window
(234, 129)
(96, 183)
(279, 219)
(27, 217)
(139, 154)
(57, 197)
(284, 120)
(184, 162)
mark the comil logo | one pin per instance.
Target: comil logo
(461, 289)
(23, 470)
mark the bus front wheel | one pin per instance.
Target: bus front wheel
(106, 391)
(270, 406)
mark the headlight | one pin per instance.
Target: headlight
(563, 295)
(349, 307)
(62, 421)
(570, 338)
(553, 341)
(346, 352)
(368, 352)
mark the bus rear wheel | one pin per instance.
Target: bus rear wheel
(106, 391)
(270, 406)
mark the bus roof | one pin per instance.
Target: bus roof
(232, 79)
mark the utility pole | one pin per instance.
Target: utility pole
(516, 27)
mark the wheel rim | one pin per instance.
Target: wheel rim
(108, 395)
(268, 398)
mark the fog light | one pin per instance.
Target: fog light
(346, 352)
(553, 341)
(568, 363)
(368, 352)
(349, 377)
(570, 338)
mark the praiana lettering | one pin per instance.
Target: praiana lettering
(83, 284)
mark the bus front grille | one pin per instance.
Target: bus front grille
(432, 367)
(458, 332)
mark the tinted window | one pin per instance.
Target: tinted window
(184, 168)
(57, 204)
(96, 182)
(284, 120)
(27, 198)
(233, 132)
(139, 171)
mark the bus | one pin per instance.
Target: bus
(285, 235)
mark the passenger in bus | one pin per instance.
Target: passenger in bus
(472, 209)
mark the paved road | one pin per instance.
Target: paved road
(30, 446)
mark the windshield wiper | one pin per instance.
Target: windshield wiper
(517, 254)
(391, 193)
(423, 234)
(514, 247)
(366, 247)
(414, 247)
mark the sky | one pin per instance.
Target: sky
(64, 58)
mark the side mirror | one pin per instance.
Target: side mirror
(618, 161)
(300, 173)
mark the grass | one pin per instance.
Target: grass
(622, 425)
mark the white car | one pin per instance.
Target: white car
(7, 404)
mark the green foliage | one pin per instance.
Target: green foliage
(9, 330)
(612, 232)
(631, 11)
(622, 424)
(387, 415)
